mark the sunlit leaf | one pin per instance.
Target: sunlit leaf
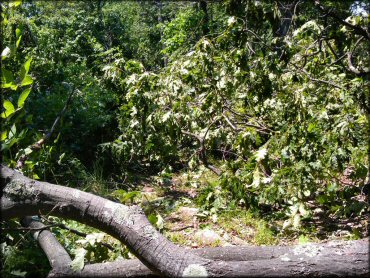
(22, 98)
(18, 32)
(160, 221)
(4, 135)
(18, 41)
(287, 224)
(79, 261)
(25, 68)
(260, 154)
(296, 220)
(27, 81)
(15, 3)
(9, 109)
(5, 53)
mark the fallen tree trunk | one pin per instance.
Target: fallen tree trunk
(339, 259)
(23, 196)
(268, 258)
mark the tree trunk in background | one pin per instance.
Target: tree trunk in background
(160, 21)
(205, 21)
(287, 12)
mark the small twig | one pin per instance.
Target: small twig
(29, 229)
(192, 135)
(331, 49)
(236, 113)
(351, 67)
(181, 228)
(306, 55)
(230, 123)
(76, 232)
(37, 146)
(202, 150)
(229, 152)
(317, 80)
(337, 60)
(42, 141)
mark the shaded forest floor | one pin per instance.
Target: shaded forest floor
(190, 214)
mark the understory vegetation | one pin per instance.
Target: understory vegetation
(229, 122)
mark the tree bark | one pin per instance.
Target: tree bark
(58, 257)
(23, 196)
(205, 20)
(265, 261)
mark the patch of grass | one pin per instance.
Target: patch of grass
(303, 239)
(248, 227)
(177, 238)
(216, 243)
(201, 244)
(95, 182)
(264, 235)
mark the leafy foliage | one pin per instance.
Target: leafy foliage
(286, 130)
(273, 98)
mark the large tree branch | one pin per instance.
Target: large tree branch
(58, 257)
(323, 260)
(351, 67)
(24, 196)
(260, 255)
(357, 29)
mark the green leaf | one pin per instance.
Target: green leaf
(307, 193)
(8, 144)
(27, 151)
(152, 219)
(15, 3)
(18, 41)
(287, 224)
(25, 68)
(166, 116)
(13, 131)
(4, 135)
(332, 187)
(9, 109)
(303, 211)
(93, 238)
(8, 105)
(296, 221)
(160, 222)
(61, 158)
(124, 196)
(18, 32)
(79, 261)
(311, 127)
(18, 273)
(27, 81)
(22, 98)
(7, 79)
(303, 239)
